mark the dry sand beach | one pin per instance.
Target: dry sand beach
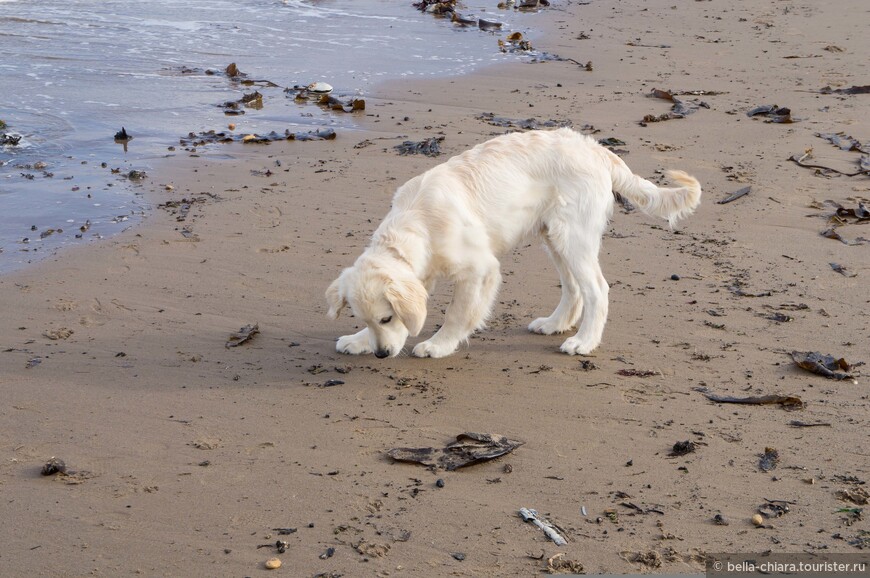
(186, 457)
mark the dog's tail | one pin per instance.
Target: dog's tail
(672, 204)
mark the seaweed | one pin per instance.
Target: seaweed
(851, 90)
(773, 113)
(525, 124)
(429, 147)
(468, 448)
(824, 365)
(243, 335)
(680, 108)
(789, 402)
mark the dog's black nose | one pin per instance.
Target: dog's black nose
(382, 353)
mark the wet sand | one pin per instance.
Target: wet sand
(184, 456)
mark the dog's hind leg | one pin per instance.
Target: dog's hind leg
(356, 344)
(570, 305)
(473, 297)
(583, 263)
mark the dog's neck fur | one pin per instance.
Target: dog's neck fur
(404, 241)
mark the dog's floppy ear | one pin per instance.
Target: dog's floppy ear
(408, 298)
(335, 298)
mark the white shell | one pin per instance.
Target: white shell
(320, 87)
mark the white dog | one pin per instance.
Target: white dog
(457, 219)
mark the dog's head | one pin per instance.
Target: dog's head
(387, 296)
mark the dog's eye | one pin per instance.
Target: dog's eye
(386, 320)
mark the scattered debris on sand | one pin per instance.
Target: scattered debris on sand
(680, 108)
(524, 124)
(211, 137)
(429, 147)
(865, 89)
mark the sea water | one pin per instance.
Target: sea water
(74, 72)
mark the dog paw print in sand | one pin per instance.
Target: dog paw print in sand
(267, 217)
(65, 305)
(58, 333)
(206, 443)
(276, 249)
(96, 317)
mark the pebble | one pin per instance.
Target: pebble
(53, 466)
(231, 126)
(675, 277)
(758, 520)
(273, 563)
(328, 554)
(439, 482)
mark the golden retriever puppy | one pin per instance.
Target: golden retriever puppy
(456, 220)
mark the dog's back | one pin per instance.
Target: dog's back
(509, 186)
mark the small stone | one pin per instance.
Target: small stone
(231, 126)
(458, 556)
(757, 520)
(272, 563)
(439, 482)
(675, 277)
(53, 466)
(328, 554)
(720, 520)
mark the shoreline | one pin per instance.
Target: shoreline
(68, 171)
(185, 455)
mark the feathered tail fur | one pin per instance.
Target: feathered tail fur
(672, 204)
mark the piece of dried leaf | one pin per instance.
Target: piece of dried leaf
(638, 372)
(243, 335)
(469, 448)
(786, 401)
(735, 195)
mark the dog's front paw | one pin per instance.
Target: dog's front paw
(353, 345)
(430, 349)
(575, 346)
(546, 326)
